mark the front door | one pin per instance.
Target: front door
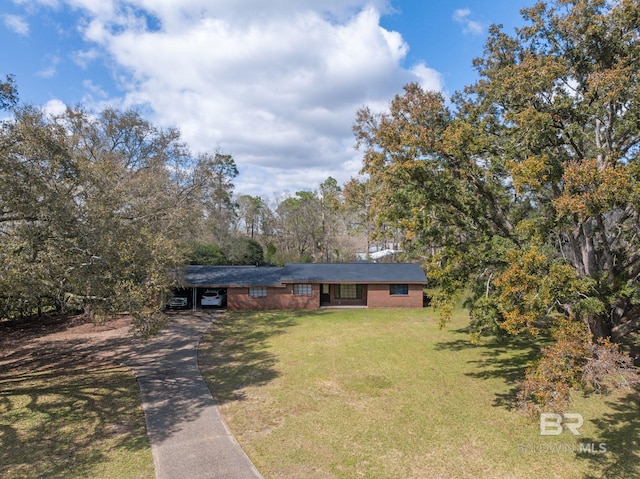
(325, 295)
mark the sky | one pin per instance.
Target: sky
(274, 83)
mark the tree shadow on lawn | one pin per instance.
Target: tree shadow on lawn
(61, 413)
(619, 432)
(64, 378)
(502, 358)
(235, 353)
(165, 367)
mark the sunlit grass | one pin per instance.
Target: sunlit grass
(72, 422)
(385, 393)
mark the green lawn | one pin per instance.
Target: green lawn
(353, 393)
(62, 418)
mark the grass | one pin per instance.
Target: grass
(67, 419)
(384, 393)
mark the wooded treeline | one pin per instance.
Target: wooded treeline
(526, 190)
(97, 210)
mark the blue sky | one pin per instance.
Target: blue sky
(275, 83)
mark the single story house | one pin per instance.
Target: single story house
(309, 285)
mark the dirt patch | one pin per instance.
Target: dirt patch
(85, 329)
(65, 341)
(58, 328)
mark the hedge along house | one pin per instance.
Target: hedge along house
(310, 285)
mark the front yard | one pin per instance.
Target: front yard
(320, 394)
(384, 393)
(65, 412)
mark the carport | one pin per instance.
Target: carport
(197, 279)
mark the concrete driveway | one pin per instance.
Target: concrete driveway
(189, 438)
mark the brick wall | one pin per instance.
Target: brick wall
(283, 298)
(379, 297)
(277, 298)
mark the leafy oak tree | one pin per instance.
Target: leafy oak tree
(331, 202)
(8, 93)
(251, 210)
(527, 190)
(92, 212)
(220, 170)
(299, 227)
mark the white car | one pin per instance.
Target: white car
(213, 297)
(178, 302)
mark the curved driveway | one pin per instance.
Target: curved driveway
(189, 438)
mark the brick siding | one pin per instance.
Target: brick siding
(379, 297)
(238, 299)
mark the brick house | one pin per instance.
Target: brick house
(309, 285)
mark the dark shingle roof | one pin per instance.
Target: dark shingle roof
(353, 273)
(244, 276)
(232, 276)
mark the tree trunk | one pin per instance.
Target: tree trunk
(598, 326)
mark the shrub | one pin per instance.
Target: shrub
(608, 369)
(573, 362)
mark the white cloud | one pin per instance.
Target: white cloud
(461, 14)
(54, 107)
(50, 70)
(428, 78)
(275, 84)
(94, 91)
(83, 58)
(30, 3)
(470, 27)
(16, 23)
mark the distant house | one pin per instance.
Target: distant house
(309, 285)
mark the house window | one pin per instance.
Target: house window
(258, 291)
(302, 289)
(348, 291)
(398, 289)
